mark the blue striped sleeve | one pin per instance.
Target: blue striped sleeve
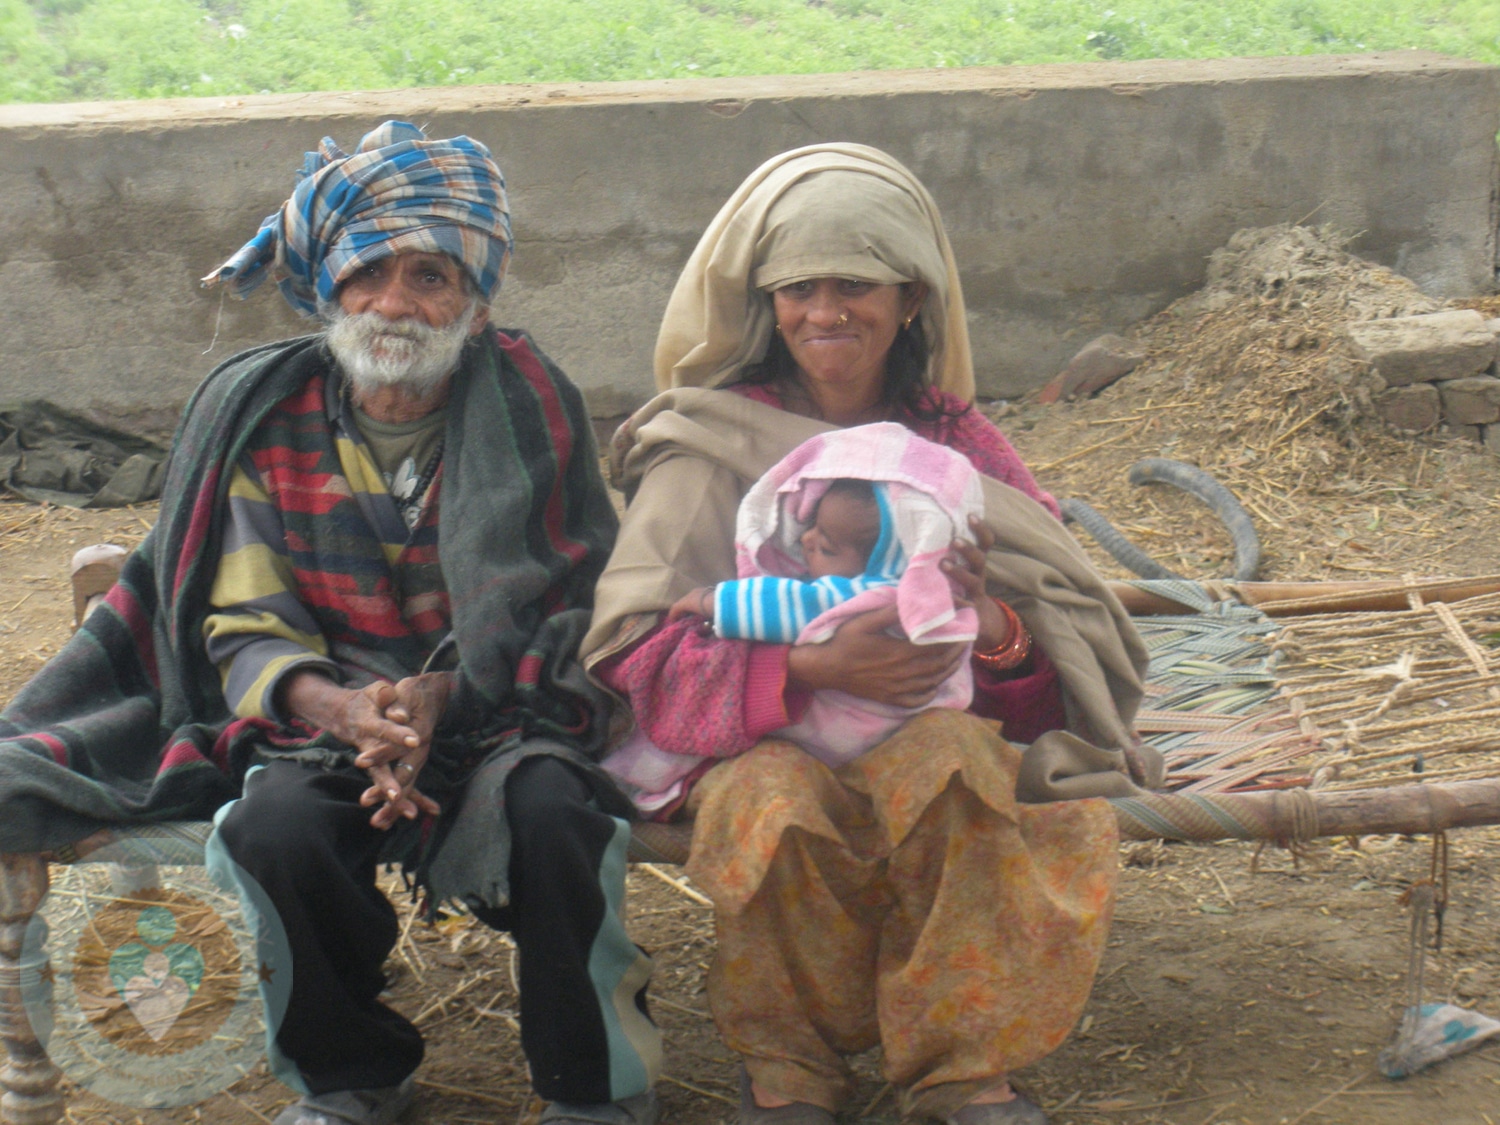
(776, 610)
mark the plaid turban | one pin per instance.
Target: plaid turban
(398, 192)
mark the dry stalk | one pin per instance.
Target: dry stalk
(699, 1090)
(466, 1092)
(676, 884)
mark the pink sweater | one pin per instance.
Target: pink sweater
(663, 675)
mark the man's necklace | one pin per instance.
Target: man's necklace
(413, 503)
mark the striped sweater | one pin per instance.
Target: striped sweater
(308, 471)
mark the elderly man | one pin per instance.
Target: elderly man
(375, 560)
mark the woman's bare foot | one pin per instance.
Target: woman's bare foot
(768, 1099)
(999, 1105)
(1001, 1093)
(760, 1106)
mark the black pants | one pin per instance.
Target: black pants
(301, 833)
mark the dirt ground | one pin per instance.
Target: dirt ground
(1237, 989)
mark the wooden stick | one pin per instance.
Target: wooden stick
(483, 1013)
(442, 1002)
(1289, 599)
(405, 942)
(677, 884)
(1302, 425)
(1229, 898)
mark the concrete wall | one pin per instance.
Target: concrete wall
(1079, 199)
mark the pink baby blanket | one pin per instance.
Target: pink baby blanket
(926, 494)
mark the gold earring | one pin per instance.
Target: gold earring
(908, 321)
(842, 320)
(778, 326)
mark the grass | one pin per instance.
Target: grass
(69, 50)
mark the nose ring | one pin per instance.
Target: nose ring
(842, 320)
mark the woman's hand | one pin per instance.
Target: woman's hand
(695, 603)
(864, 660)
(965, 565)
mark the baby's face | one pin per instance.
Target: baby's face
(842, 536)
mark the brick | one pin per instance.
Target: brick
(1453, 344)
(1492, 438)
(1098, 364)
(1474, 401)
(1414, 408)
(1473, 433)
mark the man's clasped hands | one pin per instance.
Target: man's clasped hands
(391, 725)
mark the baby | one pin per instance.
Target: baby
(848, 523)
(836, 550)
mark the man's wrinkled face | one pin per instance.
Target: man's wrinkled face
(403, 321)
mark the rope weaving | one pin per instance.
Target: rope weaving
(176, 843)
(1288, 815)
(1403, 695)
(1211, 693)
(1469, 648)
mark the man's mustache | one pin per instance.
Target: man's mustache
(404, 329)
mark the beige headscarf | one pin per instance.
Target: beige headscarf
(830, 210)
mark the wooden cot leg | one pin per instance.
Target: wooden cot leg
(30, 1080)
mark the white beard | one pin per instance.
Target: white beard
(375, 352)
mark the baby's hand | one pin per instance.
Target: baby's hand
(696, 603)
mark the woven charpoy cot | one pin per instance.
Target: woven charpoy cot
(1332, 700)
(1297, 718)
(1284, 720)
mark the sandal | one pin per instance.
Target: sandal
(1019, 1110)
(638, 1110)
(351, 1107)
(798, 1113)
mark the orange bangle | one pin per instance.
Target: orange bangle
(1013, 653)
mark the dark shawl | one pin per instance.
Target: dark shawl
(128, 724)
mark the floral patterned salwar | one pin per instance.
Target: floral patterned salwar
(907, 901)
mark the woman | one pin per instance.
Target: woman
(906, 900)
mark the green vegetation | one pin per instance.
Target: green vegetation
(67, 50)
